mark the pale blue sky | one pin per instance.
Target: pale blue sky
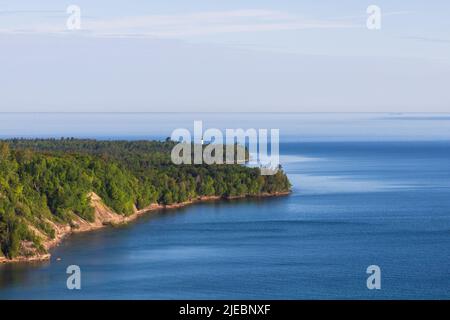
(267, 55)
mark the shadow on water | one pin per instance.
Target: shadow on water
(15, 274)
(214, 204)
(81, 245)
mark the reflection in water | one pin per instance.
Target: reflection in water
(12, 275)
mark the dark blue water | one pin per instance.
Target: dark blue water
(354, 204)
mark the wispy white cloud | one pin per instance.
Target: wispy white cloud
(188, 24)
(209, 23)
(427, 39)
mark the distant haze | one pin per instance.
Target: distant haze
(293, 127)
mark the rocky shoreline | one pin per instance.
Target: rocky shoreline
(105, 216)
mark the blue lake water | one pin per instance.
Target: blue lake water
(354, 204)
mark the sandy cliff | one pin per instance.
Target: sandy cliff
(104, 216)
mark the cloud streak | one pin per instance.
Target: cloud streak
(190, 24)
(427, 39)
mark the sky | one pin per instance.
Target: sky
(220, 56)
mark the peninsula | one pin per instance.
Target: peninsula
(50, 188)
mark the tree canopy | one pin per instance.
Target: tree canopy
(49, 180)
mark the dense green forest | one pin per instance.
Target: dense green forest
(48, 180)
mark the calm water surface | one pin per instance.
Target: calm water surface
(353, 204)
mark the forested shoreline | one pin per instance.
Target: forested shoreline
(47, 182)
